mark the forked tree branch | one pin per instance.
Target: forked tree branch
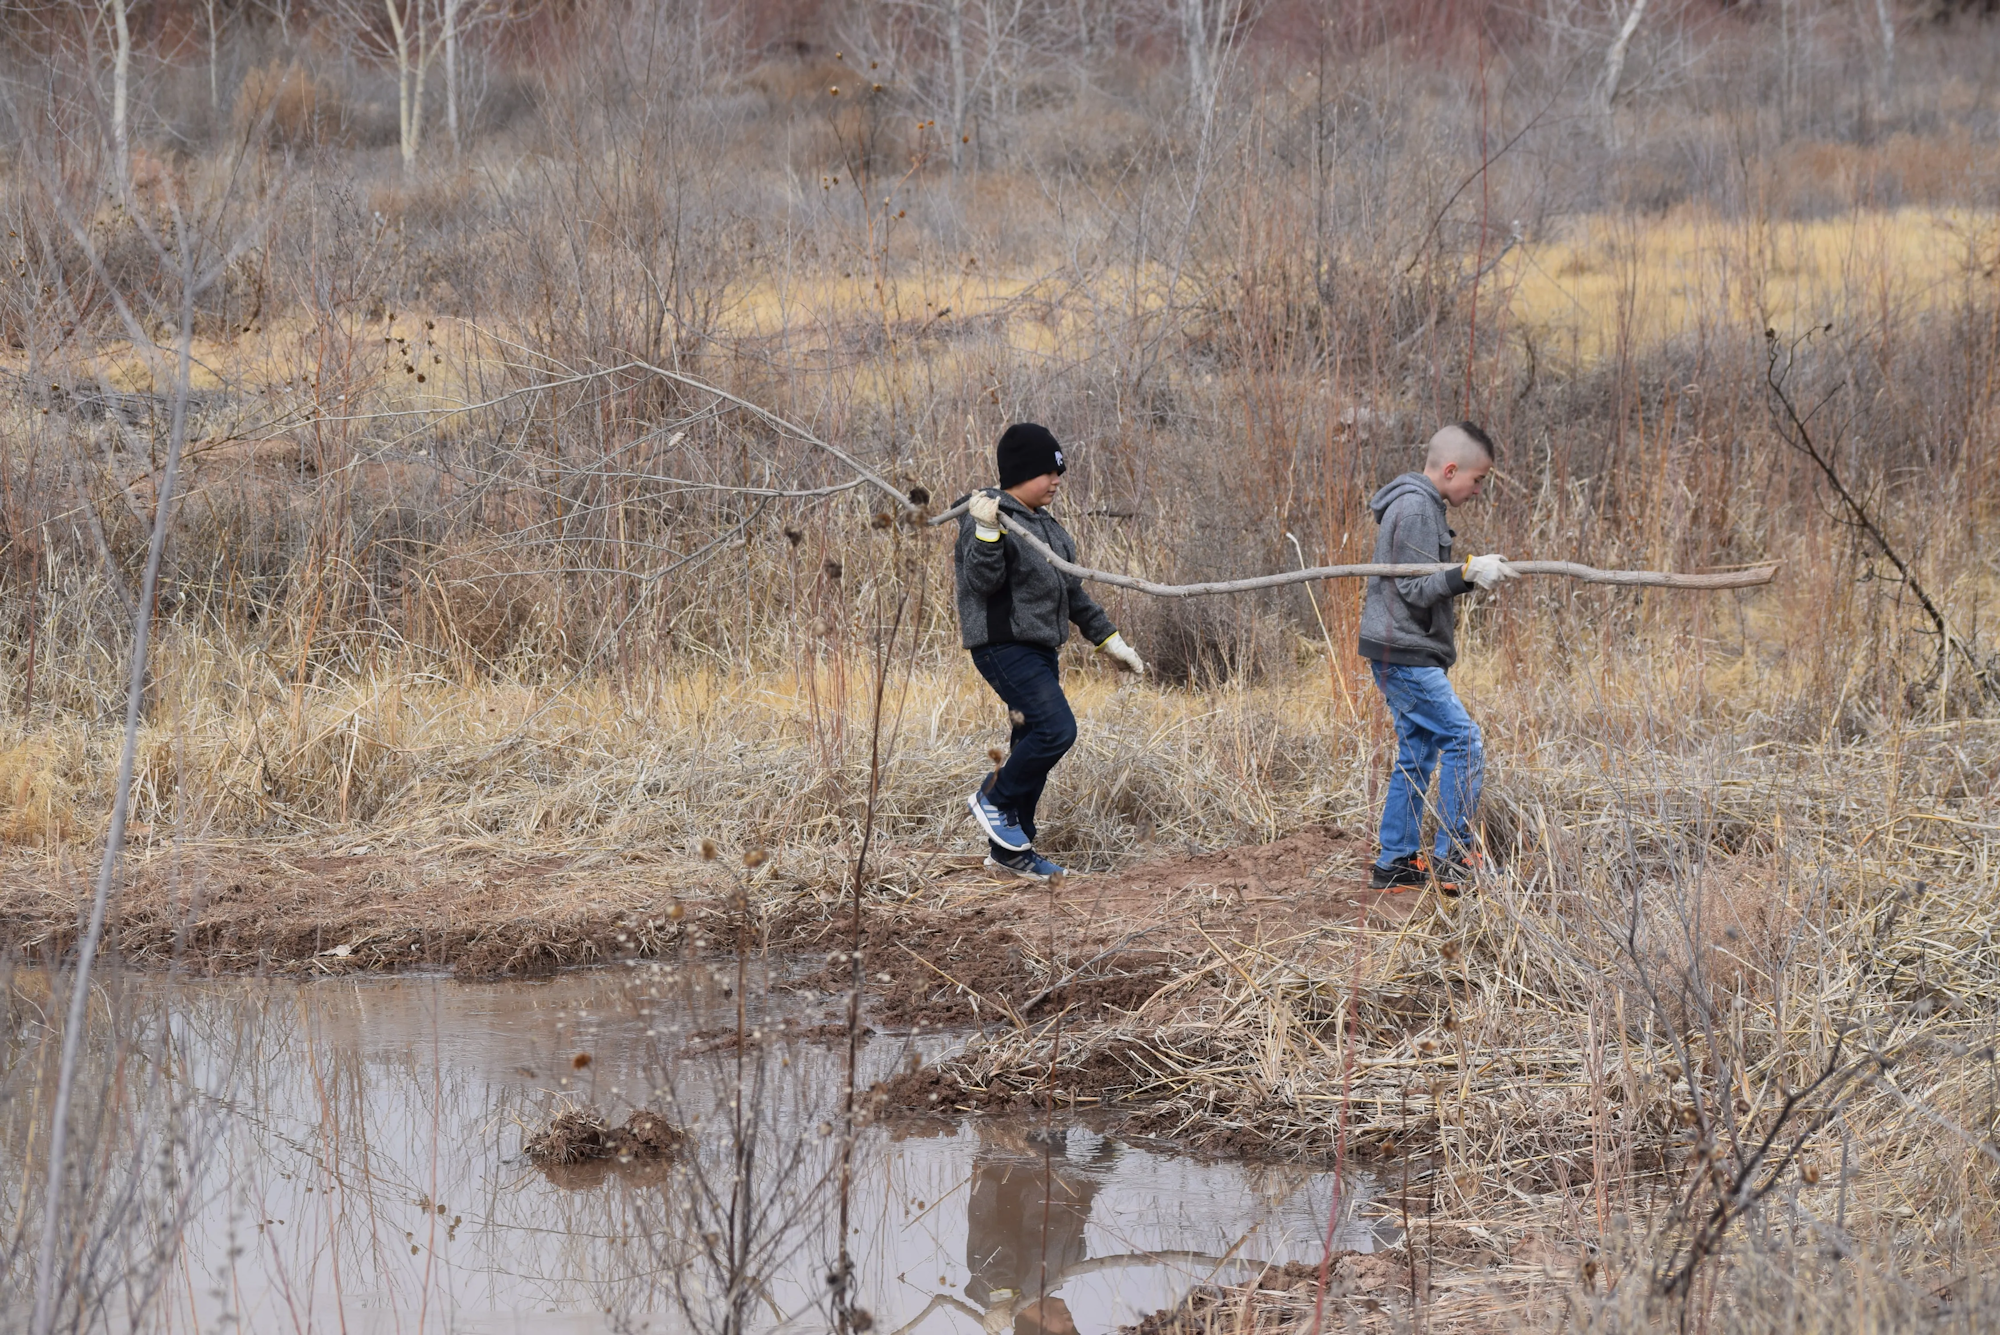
(1793, 429)
(1762, 573)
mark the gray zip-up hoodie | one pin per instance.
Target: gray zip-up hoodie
(1009, 594)
(1411, 620)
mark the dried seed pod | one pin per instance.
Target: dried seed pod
(756, 858)
(708, 850)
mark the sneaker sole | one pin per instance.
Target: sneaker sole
(1397, 886)
(1001, 868)
(978, 815)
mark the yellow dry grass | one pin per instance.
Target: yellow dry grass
(1602, 283)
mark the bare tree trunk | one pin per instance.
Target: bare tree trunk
(1195, 36)
(121, 85)
(954, 40)
(1614, 56)
(48, 1279)
(214, 91)
(1787, 87)
(451, 8)
(406, 24)
(1885, 19)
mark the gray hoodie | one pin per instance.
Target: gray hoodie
(1010, 594)
(1411, 620)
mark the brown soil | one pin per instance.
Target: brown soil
(972, 951)
(282, 909)
(981, 951)
(964, 950)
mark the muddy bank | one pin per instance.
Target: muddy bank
(1096, 967)
(961, 947)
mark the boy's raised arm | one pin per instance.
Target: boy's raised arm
(982, 562)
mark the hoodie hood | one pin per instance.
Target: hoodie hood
(1404, 485)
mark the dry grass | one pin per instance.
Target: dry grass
(517, 631)
(1604, 282)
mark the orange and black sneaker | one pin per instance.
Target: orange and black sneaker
(1454, 876)
(1399, 875)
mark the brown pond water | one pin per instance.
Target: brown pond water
(354, 1149)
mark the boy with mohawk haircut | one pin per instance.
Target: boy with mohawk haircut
(1408, 628)
(1014, 613)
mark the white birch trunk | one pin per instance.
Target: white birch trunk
(1194, 35)
(1885, 20)
(214, 90)
(406, 25)
(121, 84)
(1614, 57)
(954, 40)
(451, 8)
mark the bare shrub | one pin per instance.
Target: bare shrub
(290, 106)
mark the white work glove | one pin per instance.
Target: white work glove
(985, 512)
(1128, 657)
(1488, 570)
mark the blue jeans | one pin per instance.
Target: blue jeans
(1026, 677)
(1433, 732)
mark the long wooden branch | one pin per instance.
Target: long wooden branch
(1660, 579)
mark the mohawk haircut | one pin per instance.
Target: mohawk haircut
(1480, 438)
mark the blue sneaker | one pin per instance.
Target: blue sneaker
(1029, 866)
(1000, 827)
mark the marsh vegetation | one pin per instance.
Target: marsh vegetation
(514, 377)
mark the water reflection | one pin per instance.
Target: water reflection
(1025, 1219)
(368, 1175)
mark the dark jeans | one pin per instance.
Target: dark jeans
(1026, 677)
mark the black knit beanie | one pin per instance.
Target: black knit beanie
(1027, 450)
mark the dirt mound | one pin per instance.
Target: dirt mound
(1008, 951)
(580, 1134)
(1298, 871)
(933, 970)
(969, 949)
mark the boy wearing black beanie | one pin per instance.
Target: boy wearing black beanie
(1014, 613)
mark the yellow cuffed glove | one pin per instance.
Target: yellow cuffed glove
(985, 512)
(1488, 570)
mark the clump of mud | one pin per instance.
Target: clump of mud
(1289, 1298)
(581, 1135)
